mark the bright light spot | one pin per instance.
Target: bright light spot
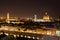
(37, 37)
(25, 36)
(28, 36)
(33, 37)
(6, 34)
(38, 32)
(57, 32)
(14, 35)
(48, 33)
(21, 35)
(17, 35)
(30, 31)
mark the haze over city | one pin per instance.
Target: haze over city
(27, 8)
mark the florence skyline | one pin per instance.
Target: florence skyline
(25, 8)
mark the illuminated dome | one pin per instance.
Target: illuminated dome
(46, 16)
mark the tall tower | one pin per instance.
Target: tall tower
(35, 17)
(7, 19)
(8, 15)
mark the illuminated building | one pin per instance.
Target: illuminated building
(46, 16)
(35, 17)
(48, 31)
(44, 19)
(58, 32)
(7, 19)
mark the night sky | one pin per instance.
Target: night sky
(27, 8)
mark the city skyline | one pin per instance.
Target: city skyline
(29, 20)
(29, 8)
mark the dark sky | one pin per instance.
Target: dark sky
(27, 8)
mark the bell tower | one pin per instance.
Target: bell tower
(7, 18)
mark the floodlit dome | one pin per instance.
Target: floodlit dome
(46, 16)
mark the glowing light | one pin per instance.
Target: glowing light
(7, 20)
(37, 37)
(46, 16)
(33, 37)
(14, 35)
(6, 34)
(17, 35)
(28, 37)
(21, 35)
(29, 31)
(25, 36)
(35, 17)
(57, 32)
(48, 33)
